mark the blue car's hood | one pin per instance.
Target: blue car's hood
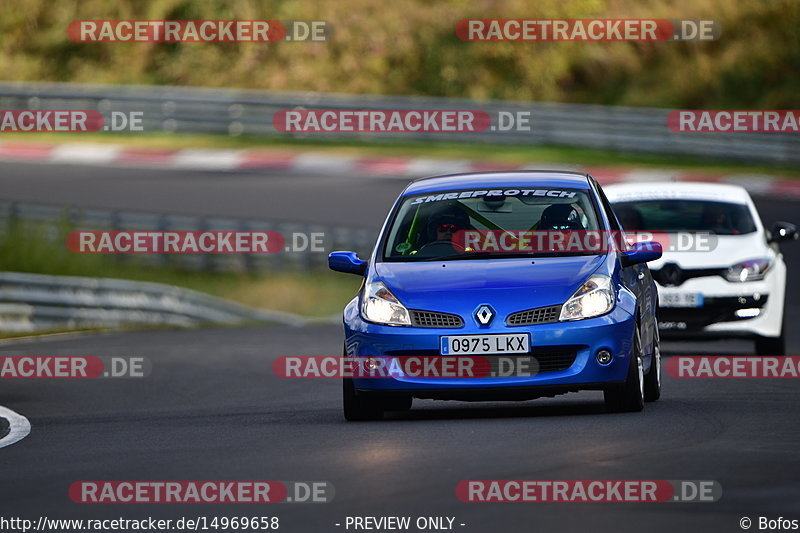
(507, 284)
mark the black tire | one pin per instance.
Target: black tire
(359, 407)
(630, 396)
(771, 345)
(397, 403)
(652, 381)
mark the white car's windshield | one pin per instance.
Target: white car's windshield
(721, 218)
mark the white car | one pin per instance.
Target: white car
(722, 274)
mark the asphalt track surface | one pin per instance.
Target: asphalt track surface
(213, 410)
(274, 196)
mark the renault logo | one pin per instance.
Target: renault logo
(672, 274)
(484, 315)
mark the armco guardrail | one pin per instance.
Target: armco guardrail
(31, 302)
(237, 112)
(34, 217)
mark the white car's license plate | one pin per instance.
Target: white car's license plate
(680, 299)
(485, 344)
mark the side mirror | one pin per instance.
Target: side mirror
(783, 231)
(347, 262)
(641, 252)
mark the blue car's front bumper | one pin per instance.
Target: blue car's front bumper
(613, 332)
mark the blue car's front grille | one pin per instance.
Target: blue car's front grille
(555, 359)
(547, 358)
(432, 319)
(540, 315)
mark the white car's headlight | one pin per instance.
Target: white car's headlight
(752, 270)
(594, 298)
(379, 305)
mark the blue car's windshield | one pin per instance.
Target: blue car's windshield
(486, 223)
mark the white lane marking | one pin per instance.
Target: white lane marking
(649, 174)
(422, 166)
(85, 154)
(18, 425)
(314, 162)
(207, 159)
(544, 165)
(754, 183)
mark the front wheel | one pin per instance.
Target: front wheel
(359, 407)
(630, 396)
(771, 345)
(652, 381)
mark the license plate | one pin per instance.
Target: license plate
(485, 344)
(680, 299)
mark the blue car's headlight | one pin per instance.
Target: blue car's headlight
(379, 305)
(594, 298)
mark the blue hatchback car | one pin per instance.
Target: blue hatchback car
(443, 281)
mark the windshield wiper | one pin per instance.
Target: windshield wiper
(444, 258)
(483, 255)
(489, 255)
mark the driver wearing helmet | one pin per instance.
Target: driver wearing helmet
(444, 224)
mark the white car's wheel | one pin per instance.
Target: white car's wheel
(771, 345)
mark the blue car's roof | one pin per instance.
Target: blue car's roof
(517, 178)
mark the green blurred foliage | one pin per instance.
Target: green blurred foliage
(409, 47)
(39, 249)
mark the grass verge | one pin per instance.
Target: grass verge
(41, 250)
